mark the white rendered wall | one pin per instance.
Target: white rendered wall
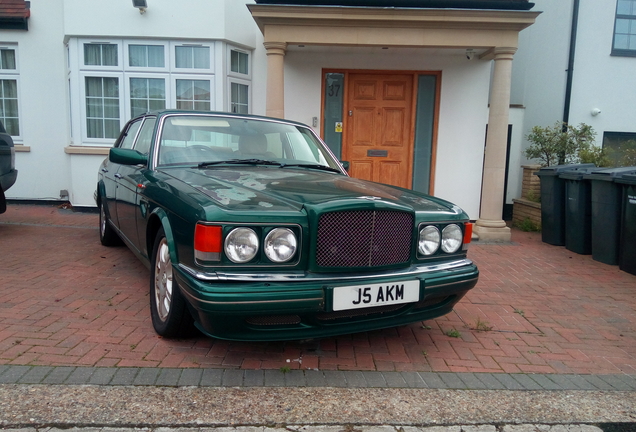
(601, 80)
(43, 104)
(539, 67)
(463, 106)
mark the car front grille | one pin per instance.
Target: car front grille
(364, 238)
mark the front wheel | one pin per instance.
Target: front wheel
(170, 316)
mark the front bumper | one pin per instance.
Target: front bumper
(299, 305)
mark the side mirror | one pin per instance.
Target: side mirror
(345, 164)
(127, 157)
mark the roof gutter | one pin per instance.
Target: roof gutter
(570, 70)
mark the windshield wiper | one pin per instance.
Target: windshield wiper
(239, 162)
(315, 166)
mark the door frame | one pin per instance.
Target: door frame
(414, 99)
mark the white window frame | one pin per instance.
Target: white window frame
(82, 92)
(229, 71)
(14, 74)
(230, 81)
(191, 77)
(127, 89)
(166, 56)
(120, 56)
(173, 57)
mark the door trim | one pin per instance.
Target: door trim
(415, 75)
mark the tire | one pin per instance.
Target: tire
(168, 309)
(107, 234)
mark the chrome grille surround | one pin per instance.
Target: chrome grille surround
(364, 238)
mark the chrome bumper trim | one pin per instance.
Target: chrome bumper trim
(318, 277)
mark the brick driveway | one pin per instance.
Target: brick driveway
(67, 300)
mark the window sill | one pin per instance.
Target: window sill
(19, 148)
(79, 150)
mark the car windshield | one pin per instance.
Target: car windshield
(207, 140)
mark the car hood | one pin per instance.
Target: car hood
(274, 188)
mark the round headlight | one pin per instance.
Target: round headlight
(280, 245)
(451, 238)
(429, 240)
(241, 245)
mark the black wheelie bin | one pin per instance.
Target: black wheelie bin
(553, 202)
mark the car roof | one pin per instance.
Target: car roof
(168, 112)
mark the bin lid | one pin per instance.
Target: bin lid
(610, 174)
(629, 179)
(580, 173)
(555, 170)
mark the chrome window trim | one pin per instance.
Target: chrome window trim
(319, 277)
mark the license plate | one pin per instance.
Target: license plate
(369, 295)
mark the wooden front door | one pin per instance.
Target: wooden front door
(378, 139)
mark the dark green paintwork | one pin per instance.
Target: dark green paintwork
(264, 197)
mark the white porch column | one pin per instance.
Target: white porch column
(490, 225)
(275, 104)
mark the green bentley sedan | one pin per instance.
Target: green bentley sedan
(253, 230)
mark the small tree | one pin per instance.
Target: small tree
(559, 144)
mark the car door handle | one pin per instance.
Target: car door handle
(118, 176)
(104, 170)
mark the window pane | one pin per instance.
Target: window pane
(147, 94)
(621, 42)
(10, 89)
(109, 55)
(239, 98)
(111, 87)
(183, 57)
(92, 55)
(156, 56)
(137, 55)
(93, 87)
(146, 55)
(192, 57)
(12, 125)
(7, 59)
(622, 26)
(239, 62)
(102, 107)
(201, 58)
(111, 128)
(100, 55)
(157, 88)
(9, 106)
(131, 133)
(625, 7)
(94, 128)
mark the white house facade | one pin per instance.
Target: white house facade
(576, 64)
(79, 71)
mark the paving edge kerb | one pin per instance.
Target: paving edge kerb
(177, 377)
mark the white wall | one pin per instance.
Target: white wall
(601, 80)
(539, 67)
(43, 109)
(463, 107)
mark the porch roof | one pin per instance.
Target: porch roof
(14, 14)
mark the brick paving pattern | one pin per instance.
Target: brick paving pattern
(65, 300)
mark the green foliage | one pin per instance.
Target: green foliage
(559, 144)
(527, 225)
(453, 333)
(621, 156)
